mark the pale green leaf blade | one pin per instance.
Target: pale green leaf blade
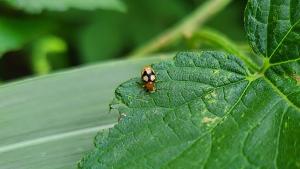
(34, 6)
(49, 122)
(207, 112)
(273, 28)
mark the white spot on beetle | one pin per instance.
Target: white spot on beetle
(152, 77)
(145, 78)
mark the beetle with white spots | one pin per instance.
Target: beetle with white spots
(148, 76)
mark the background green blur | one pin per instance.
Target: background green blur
(35, 42)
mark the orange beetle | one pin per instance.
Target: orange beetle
(148, 77)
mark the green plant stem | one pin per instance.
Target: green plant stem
(223, 42)
(185, 28)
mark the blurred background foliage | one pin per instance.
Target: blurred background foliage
(38, 37)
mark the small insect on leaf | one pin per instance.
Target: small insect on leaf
(148, 76)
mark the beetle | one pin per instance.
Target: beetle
(148, 77)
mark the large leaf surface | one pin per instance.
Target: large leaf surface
(34, 6)
(49, 122)
(207, 112)
(273, 28)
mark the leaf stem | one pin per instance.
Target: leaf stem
(223, 42)
(185, 28)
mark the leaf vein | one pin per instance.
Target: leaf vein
(281, 94)
(286, 35)
(209, 131)
(278, 136)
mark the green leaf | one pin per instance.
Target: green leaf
(34, 6)
(273, 28)
(221, 41)
(13, 38)
(207, 112)
(42, 53)
(95, 42)
(49, 121)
